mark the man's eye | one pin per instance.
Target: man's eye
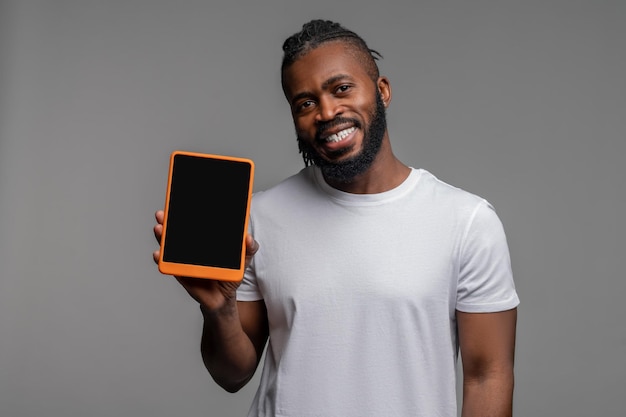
(305, 105)
(343, 88)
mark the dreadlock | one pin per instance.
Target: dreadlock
(317, 32)
(312, 35)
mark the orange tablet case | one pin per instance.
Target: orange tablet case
(243, 193)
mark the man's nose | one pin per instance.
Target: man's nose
(329, 108)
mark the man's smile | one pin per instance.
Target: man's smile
(339, 136)
(335, 143)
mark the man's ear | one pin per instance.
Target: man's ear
(384, 89)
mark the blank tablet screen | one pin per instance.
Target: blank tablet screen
(207, 211)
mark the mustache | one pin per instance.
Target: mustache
(324, 126)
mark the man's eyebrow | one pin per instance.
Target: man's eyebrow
(299, 96)
(332, 80)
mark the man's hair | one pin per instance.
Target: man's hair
(317, 32)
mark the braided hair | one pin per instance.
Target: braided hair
(317, 32)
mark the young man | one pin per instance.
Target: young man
(368, 275)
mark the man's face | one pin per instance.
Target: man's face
(337, 110)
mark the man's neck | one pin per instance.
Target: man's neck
(386, 173)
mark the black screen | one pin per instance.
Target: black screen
(207, 209)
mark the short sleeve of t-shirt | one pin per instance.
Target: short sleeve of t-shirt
(485, 278)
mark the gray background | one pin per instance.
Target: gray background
(522, 102)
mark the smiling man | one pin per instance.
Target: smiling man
(338, 108)
(366, 276)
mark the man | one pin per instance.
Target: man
(368, 275)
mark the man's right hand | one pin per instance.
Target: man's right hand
(211, 294)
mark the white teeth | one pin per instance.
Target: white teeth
(340, 135)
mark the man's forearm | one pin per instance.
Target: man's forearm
(489, 396)
(227, 351)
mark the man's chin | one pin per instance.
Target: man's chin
(344, 170)
(338, 157)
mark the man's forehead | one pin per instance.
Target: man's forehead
(324, 64)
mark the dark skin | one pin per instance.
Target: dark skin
(234, 332)
(487, 344)
(324, 83)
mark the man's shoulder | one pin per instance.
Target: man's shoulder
(288, 189)
(447, 193)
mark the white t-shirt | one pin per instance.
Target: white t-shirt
(361, 292)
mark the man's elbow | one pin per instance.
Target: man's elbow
(231, 388)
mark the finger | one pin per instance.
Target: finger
(158, 231)
(155, 256)
(252, 246)
(159, 215)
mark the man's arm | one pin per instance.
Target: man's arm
(234, 333)
(487, 343)
(233, 339)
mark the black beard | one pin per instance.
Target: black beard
(346, 171)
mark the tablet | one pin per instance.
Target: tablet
(207, 206)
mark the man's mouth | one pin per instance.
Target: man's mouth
(339, 136)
